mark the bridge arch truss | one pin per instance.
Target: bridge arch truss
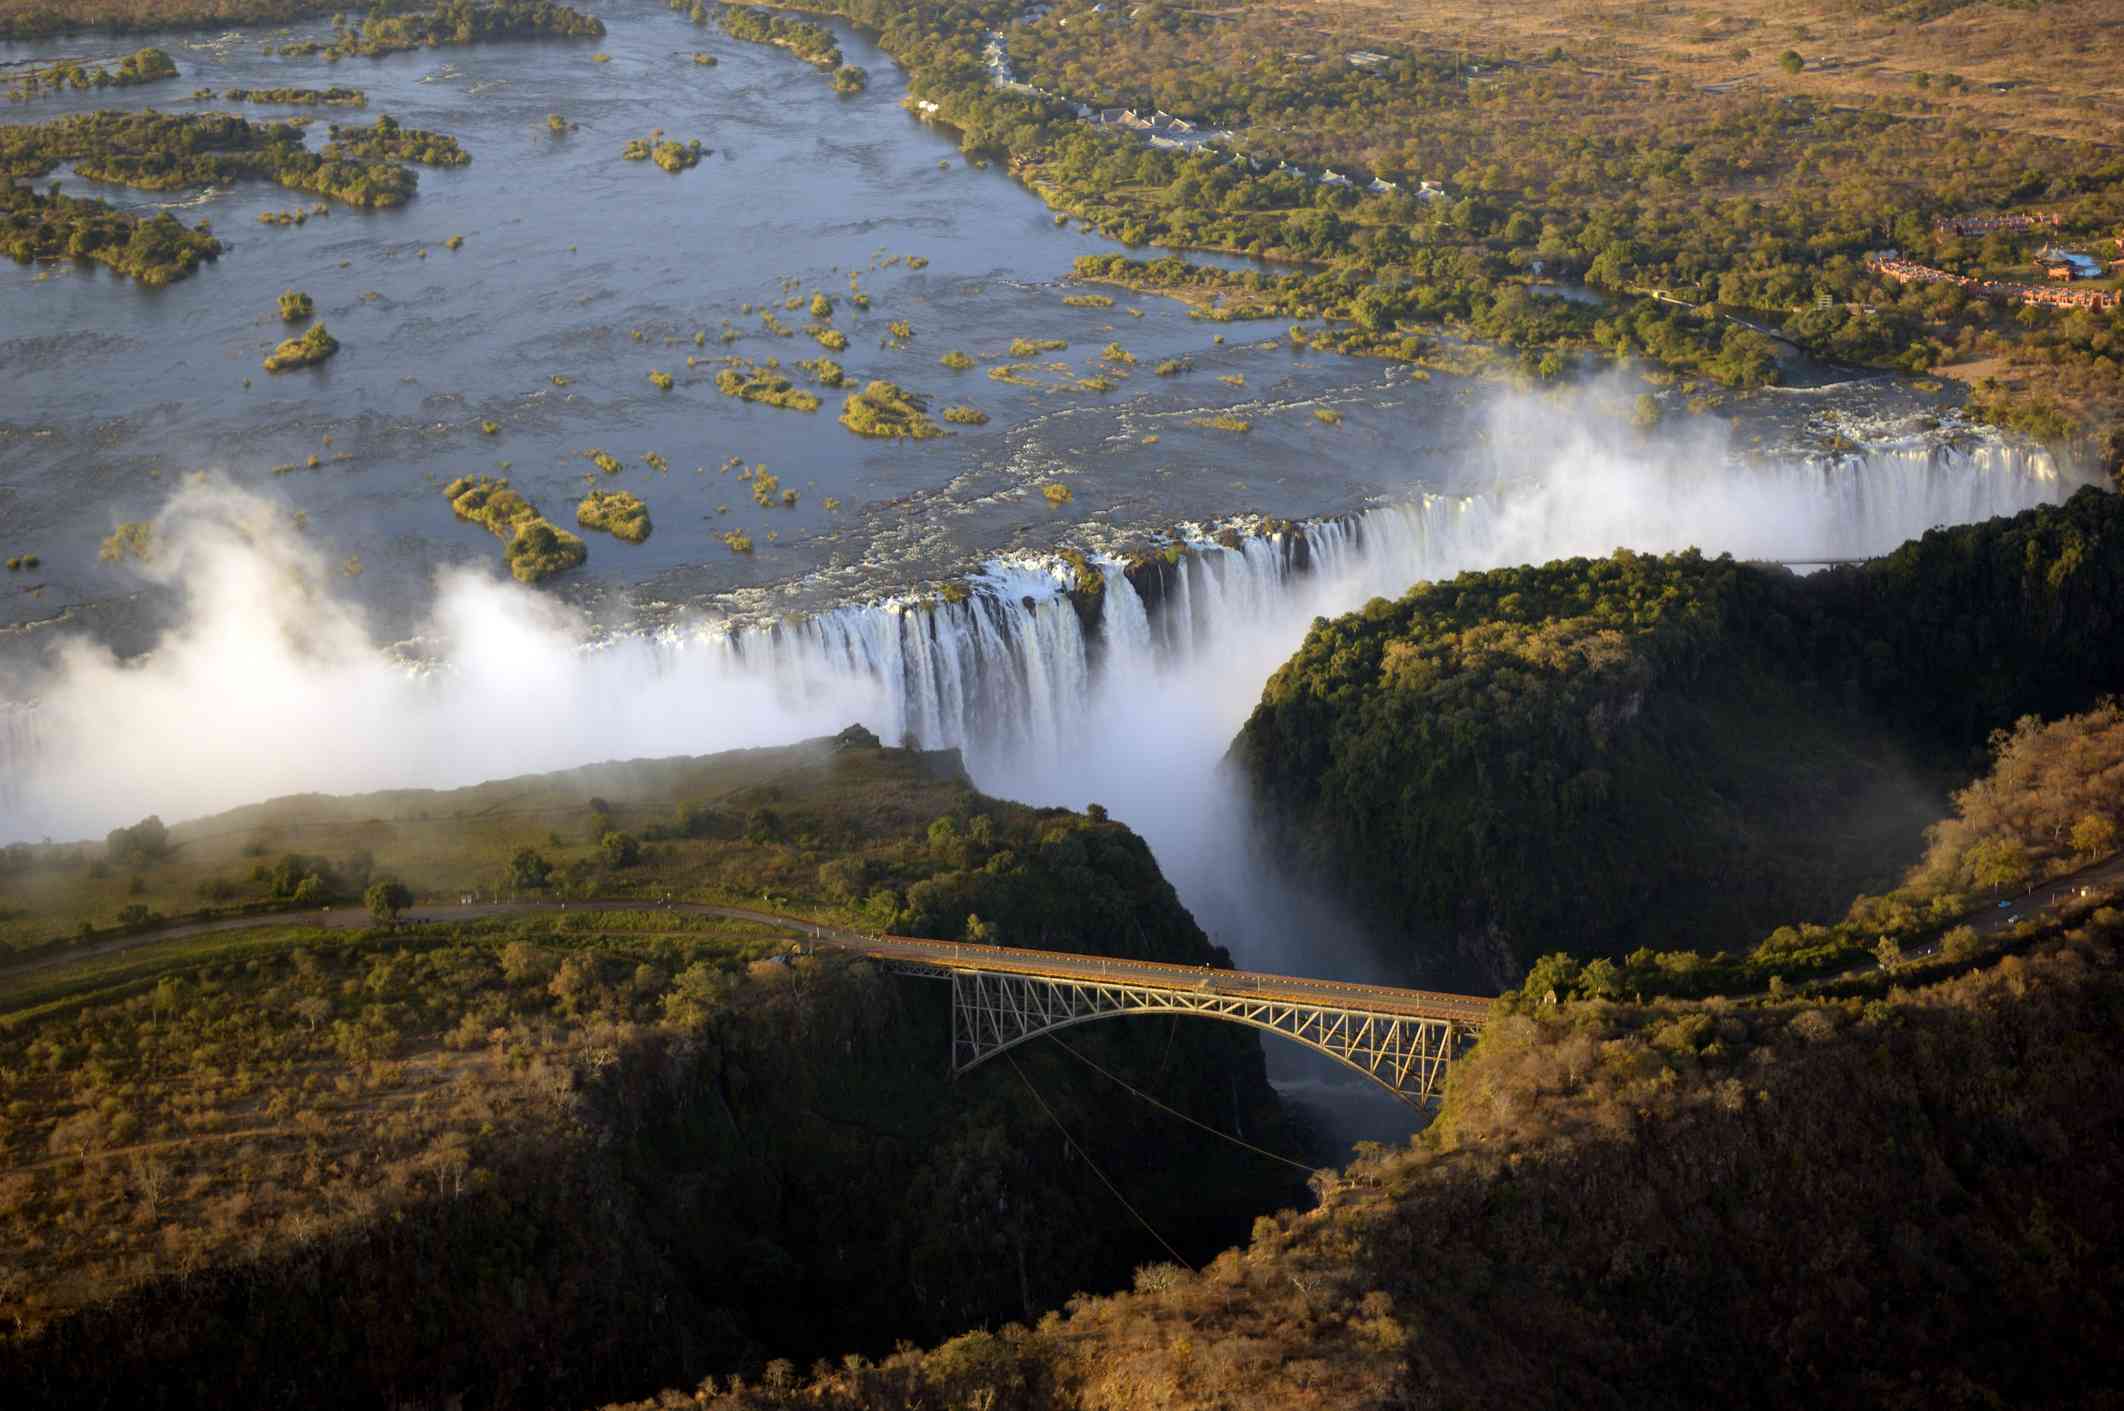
(995, 1011)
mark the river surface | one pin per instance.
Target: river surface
(579, 265)
(110, 392)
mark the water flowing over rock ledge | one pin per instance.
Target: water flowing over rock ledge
(1001, 662)
(1047, 670)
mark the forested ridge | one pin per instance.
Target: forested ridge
(1899, 1200)
(539, 1163)
(1591, 755)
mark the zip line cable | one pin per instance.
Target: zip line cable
(1178, 1258)
(1176, 1112)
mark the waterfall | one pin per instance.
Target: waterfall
(1013, 676)
(1126, 698)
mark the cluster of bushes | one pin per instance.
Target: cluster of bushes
(157, 152)
(884, 409)
(754, 383)
(813, 43)
(828, 372)
(134, 539)
(387, 141)
(619, 513)
(535, 548)
(154, 250)
(296, 305)
(300, 97)
(767, 491)
(310, 349)
(672, 156)
(301, 217)
(141, 66)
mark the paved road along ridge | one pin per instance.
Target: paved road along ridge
(942, 955)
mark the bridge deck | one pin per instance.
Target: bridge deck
(1062, 965)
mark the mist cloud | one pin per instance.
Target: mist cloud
(272, 684)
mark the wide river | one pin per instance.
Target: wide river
(580, 265)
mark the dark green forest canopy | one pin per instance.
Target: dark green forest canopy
(1592, 754)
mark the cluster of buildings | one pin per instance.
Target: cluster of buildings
(1161, 127)
(2057, 296)
(2067, 265)
(1986, 225)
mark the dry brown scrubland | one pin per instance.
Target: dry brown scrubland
(1903, 1201)
(2061, 61)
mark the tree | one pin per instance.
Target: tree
(528, 869)
(521, 961)
(1614, 267)
(1790, 61)
(385, 898)
(1644, 414)
(1375, 309)
(620, 849)
(1554, 974)
(143, 842)
(1998, 863)
(574, 984)
(2094, 836)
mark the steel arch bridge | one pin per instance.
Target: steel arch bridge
(1397, 1046)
